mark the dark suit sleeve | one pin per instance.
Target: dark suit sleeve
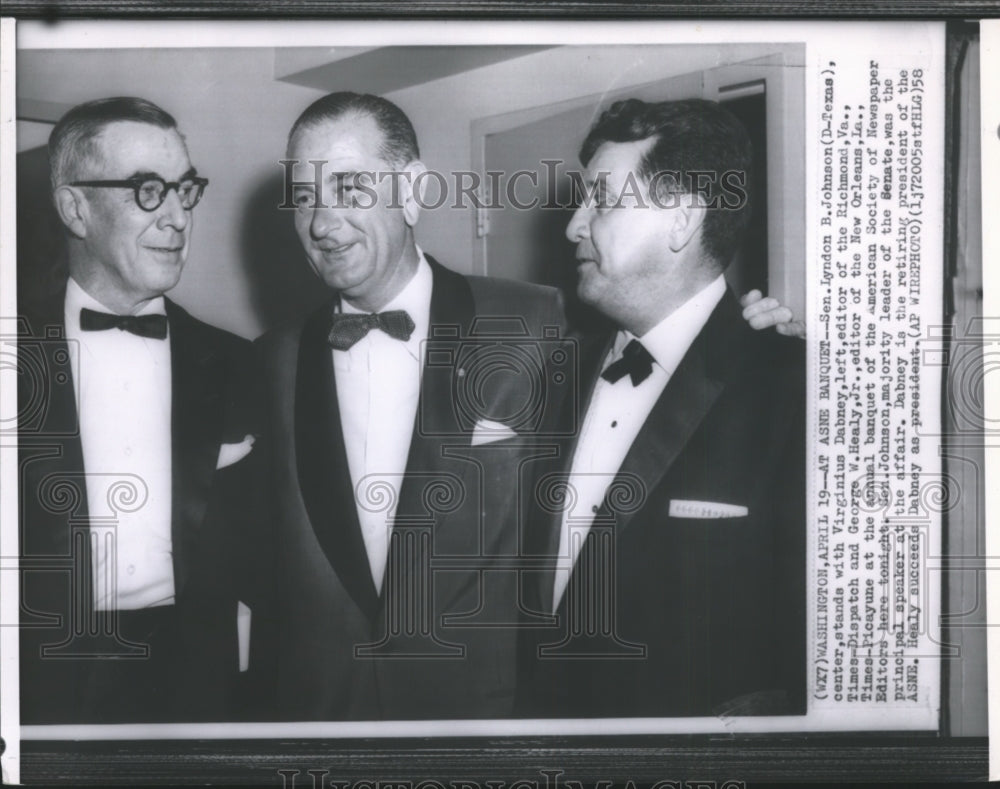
(789, 488)
(256, 577)
(234, 553)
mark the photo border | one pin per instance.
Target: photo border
(639, 758)
(487, 9)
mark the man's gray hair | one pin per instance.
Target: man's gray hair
(73, 142)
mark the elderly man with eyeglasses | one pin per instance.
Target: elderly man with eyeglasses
(136, 440)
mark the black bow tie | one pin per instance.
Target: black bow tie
(636, 362)
(347, 329)
(152, 326)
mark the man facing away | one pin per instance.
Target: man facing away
(135, 447)
(678, 531)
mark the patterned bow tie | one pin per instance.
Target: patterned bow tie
(635, 361)
(152, 326)
(347, 329)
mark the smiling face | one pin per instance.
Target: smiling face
(360, 242)
(624, 260)
(130, 256)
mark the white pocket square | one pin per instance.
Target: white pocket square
(683, 508)
(233, 453)
(486, 432)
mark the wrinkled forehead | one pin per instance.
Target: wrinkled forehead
(123, 149)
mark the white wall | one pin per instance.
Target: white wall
(235, 117)
(246, 271)
(442, 111)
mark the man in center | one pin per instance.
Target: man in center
(382, 460)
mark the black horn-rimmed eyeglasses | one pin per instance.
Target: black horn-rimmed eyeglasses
(151, 191)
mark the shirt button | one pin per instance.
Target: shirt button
(128, 452)
(594, 508)
(131, 569)
(614, 423)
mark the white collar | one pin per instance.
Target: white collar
(415, 297)
(77, 299)
(669, 340)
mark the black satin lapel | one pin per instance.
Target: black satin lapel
(438, 427)
(713, 359)
(451, 316)
(52, 476)
(593, 349)
(549, 524)
(324, 475)
(198, 383)
(688, 397)
(53, 506)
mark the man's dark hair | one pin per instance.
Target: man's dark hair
(73, 141)
(690, 136)
(399, 141)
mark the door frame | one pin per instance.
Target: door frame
(782, 76)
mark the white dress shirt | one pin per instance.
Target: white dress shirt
(615, 416)
(123, 399)
(378, 389)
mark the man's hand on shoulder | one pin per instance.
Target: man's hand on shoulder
(763, 313)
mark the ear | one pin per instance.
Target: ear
(411, 191)
(72, 208)
(688, 218)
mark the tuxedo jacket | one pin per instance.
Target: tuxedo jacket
(438, 640)
(213, 517)
(671, 609)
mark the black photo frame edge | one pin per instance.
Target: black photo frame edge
(544, 761)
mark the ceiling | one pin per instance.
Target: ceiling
(45, 90)
(385, 69)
